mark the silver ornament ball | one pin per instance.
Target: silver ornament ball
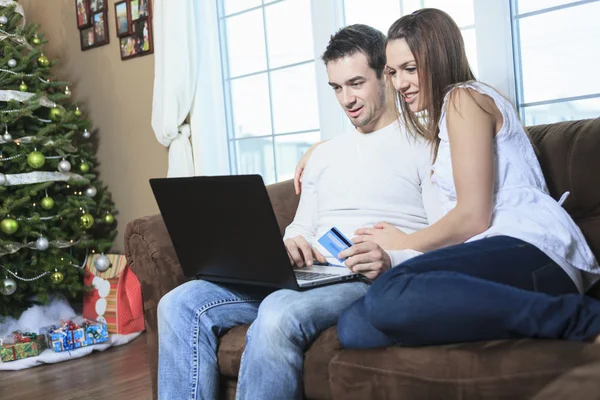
(3, 179)
(7, 137)
(41, 244)
(64, 166)
(91, 191)
(102, 263)
(8, 286)
(12, 63)
(86, 134)
(3, 19)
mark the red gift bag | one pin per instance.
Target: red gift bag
(116, 296)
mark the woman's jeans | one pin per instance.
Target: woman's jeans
(494, 288)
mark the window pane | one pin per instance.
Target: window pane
(379, 14)
(246, 43)
(255, 156)
(289, 149)
(461, 11)
(525, 6)
(471, 48)
(233, 6)
(294, 92)
(290, 40)
(250, 104)
(566, 111)
(560, 53)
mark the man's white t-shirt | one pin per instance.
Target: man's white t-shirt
(357, 180)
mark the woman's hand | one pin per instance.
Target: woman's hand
(383, 234)
(301, 165)
(367, 258)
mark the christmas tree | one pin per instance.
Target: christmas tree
(54, 212)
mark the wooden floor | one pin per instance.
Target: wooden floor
(119, 373)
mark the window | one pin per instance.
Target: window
(382, 13)
(541, 54)
(557, 55)
(269, 85)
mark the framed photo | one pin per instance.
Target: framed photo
(145, 10)
(83, 13)
(97, 5)
(123, 18)
(140, 42)
(100, 25)
(135, 9)
(88, 39)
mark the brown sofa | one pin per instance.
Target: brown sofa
(569, 153)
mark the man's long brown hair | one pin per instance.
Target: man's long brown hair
(439, 50)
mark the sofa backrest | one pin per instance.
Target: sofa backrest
(569, 153)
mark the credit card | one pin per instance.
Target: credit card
(334, 241)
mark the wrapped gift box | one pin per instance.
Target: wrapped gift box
(73, 334)
(21, 345)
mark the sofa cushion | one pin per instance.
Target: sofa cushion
(511, 369)
(568, 154)
(316, 359)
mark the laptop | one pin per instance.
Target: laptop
(224, 229)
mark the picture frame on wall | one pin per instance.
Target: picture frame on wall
(138, 40)
(83, 13)
(123, 18)
(97, 5)
(100, 28)
(88, 38)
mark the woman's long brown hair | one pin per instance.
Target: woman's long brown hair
(438, 47)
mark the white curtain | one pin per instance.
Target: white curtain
(188, 80)
(175, 79)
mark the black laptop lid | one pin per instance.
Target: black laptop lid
(224, 229)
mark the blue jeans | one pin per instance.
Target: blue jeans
(494, 288)
(193, 316)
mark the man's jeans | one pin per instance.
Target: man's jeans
(494, 288)
(284, 323)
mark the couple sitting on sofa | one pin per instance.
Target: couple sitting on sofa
(473, 247)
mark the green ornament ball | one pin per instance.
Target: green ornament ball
(47, 203)
(9, 226)
(36, 160)
(84, 167)
(56, 114)
(57, 277)
(43, 61)
(109, 219)
(78, 112)
(86, 221)
(37, 41)
(23, 87)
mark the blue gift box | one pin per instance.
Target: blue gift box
(63, 338)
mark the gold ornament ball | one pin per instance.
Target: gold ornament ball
(57, 277)
(36, 160)
(23, 87)
(9, 226)
(109, 219)
(78, 112)
(84, 167)
(37, 41)
(56, 114)
(86, 221)
(43, 61)
(47, 203)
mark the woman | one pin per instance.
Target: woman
(505, 260)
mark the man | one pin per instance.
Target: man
(355, 180)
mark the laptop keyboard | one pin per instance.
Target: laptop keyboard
(311, 276)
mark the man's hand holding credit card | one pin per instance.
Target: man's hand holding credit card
(335, 242)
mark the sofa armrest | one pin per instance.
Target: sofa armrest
(284, 201)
